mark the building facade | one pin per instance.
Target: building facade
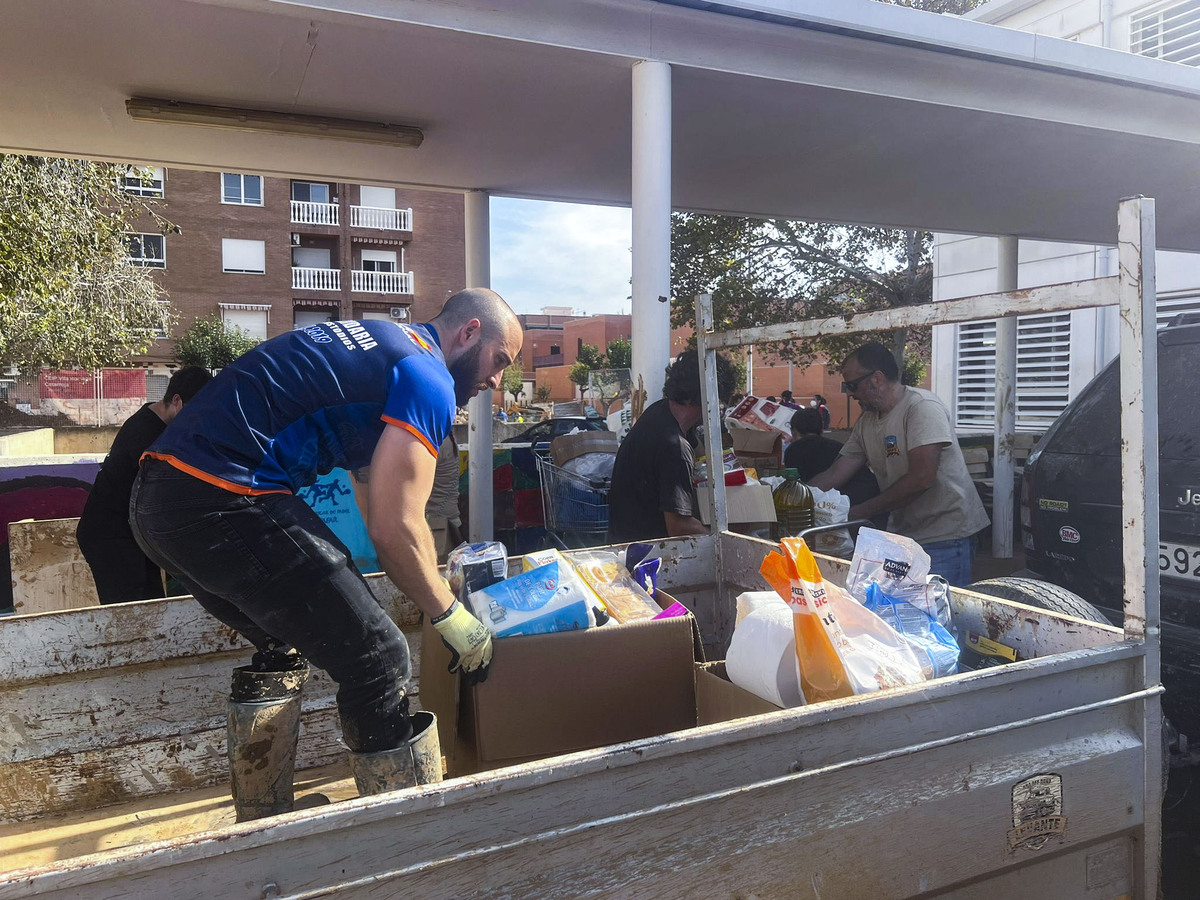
(272, 254)
(1057, 354)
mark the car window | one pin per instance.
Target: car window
(1178, 398)
(1091, 424)
(540, 432)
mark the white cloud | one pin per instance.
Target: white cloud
(561, 254)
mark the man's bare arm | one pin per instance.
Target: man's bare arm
(843, 469)
(402, 470)
(678, 526)
(922, 472)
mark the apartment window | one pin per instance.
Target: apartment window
(251, 318)
(243, 256)
(310, 192)
(145, 181)
(303, 318)
(379, 260)
(1043, 372)
(244, 190)
(148, 250)
(1168, 31)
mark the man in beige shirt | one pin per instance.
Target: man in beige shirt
(904, 435)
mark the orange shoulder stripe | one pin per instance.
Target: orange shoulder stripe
(413, 431)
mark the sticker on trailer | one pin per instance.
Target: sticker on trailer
(1037, 805)
(1061, 506)
(1068, 535)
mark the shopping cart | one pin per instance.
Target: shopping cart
(575, 506)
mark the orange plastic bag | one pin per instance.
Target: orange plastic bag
(843, 648)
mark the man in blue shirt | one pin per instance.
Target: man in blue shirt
(215, 502)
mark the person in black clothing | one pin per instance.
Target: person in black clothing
(120, 568)
(823, 409)
(652, 494)
(810, 453)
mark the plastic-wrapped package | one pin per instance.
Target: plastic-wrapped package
(549, 598)
(470, 567)
(592, 467)
(762, 654)
(605, 574)
(843, 647)
(829, 508)
(935, 647)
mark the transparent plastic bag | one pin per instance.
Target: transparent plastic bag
(624, 598)
(843, 648)
(934, 646)
(830, 508)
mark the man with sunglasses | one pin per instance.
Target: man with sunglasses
(904, 435)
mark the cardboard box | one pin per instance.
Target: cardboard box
(720, 700)
(757, 449)
(550, 694)
(746, 503)
(568, 446)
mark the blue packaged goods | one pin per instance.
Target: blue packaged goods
(472, 567)
(936, 648)
(543, 600)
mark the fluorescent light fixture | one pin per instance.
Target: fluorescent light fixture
(145, 109)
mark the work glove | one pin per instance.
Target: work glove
(468, 640)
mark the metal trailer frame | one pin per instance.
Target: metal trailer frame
(1133, 291)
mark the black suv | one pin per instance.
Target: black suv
(1071, 508)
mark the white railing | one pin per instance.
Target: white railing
(381, 282)
(379, 217)
(305, 213)
(305, 279)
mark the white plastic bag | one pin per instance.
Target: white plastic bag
(830, 508)
(894, 562)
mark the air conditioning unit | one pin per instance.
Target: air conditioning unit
(399, 312)
(295, 239)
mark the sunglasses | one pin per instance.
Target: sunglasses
(849, 387)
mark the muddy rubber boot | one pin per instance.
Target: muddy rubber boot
(264, 723)
(417, 761)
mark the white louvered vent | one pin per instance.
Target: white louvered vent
(1043, 372)
(1170, 31)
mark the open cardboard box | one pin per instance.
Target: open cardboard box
(757, 449)
(744, 503)
(550, 694)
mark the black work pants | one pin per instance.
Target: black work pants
(268, 567)
(120, 569)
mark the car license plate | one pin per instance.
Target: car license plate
(1179, 561)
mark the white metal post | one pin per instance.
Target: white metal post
(651, 225)
(1139, 490)
(717, 514)
(477, 222)
(1005, 427)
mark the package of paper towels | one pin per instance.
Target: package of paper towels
(762, 655)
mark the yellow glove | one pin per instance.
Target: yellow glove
(468, 640)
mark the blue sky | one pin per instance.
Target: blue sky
(561, 254)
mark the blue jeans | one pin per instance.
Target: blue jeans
(269, 568)
(952, 560)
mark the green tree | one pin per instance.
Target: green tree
(579, 373)
(69, 294)
(619, 354)
(542, 393)
(513, 380)
(590, 356)
(210, 343)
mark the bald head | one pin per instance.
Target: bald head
(480, 337)
(495, 317)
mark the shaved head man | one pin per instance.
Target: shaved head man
(215, 503)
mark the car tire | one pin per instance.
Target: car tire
(1041, 594)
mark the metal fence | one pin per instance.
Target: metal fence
(85, 396)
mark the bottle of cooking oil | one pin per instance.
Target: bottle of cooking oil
(793, 506)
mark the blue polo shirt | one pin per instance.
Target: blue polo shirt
(309, 401)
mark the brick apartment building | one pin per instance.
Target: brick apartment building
(272, 254)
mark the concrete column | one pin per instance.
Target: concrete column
(478, 247)
(651, 225)
(1003, 505)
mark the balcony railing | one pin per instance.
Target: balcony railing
(305, 279)
(379, 217)
(551, 359)
(381, 282)
(305, 213)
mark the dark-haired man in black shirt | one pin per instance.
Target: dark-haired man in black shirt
(652, 494)
(120, 568)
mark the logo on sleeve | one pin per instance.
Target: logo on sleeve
(415, 338)
(891, 445)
